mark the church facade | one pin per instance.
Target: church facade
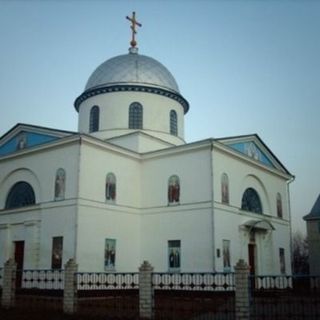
(127, 187)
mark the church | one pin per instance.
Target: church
(127, 187)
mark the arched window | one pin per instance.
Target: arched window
(173, 123)
(174, 190)
(60, 184)
(279, 206)
(111, 187)
(224, 188)
(135, 116)
(251, 201)
(20, 195)
(94, 119)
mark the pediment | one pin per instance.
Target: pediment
(23, 136)
(253, 147)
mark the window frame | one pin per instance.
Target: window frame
(173, 123)
(251, 201)
(135, 116)
(21, 194)
(94, 119)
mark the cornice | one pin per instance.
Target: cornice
(131, 88)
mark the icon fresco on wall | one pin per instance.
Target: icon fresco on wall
(110, 254)
(174, 190)
(253, 151)
(226, 255)
(282, 261)
(174, 254)
(57, 249)
(111, 187)
(21, 141)
(225, 188)
(279, 205)
(59, 186)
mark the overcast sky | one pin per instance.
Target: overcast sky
(244, 66)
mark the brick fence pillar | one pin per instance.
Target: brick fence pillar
(70, 287)
(146, 302)
(242, 302)
(9, 284)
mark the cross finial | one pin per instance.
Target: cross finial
(134, 23)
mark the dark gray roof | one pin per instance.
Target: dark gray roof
(315, 211)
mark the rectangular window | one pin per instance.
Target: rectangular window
(226, 255)
(110, 255)
(57, 250)
(174, 255)
(282, 261)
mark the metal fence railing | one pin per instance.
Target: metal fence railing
(46, 279)
(107, 281)
(194, 295)
(284, 297)
(194, 281)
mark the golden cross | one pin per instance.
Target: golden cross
(134, 23)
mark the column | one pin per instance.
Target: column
(146, 302)
(70, 287)
(242, 303)
(8, 288)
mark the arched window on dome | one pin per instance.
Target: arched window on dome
(174, 190)
(279, 206)
(94, 119)
(135, 116)
(20, 195)
(60, 184)
(251, 201)
(173, 123)
(224, 188)
(111, 187)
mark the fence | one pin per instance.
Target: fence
(148, 294)
(193, 295)
(285, 297)
(114, 294)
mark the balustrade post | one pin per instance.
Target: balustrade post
(242, 303)
(146, 296)
(70, 287)
(9, 284)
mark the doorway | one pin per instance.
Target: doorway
(252, 258)
(19, 258)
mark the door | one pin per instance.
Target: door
(19, 257)
(252, 258)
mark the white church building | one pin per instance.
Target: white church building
(127, 187)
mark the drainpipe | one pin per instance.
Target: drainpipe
(289, 209)
(212, 210)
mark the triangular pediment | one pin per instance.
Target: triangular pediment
(254, 148)
(23, 136)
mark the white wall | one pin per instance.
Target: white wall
(37, 224)
(114, 115)
(243, 174)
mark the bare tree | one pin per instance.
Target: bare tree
(300, 253)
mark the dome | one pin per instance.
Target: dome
(132, 68)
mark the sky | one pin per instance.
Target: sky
(244, 66)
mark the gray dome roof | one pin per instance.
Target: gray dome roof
(132, 68)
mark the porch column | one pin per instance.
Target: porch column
(242, 304)
(146, 302)
(8, 288)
